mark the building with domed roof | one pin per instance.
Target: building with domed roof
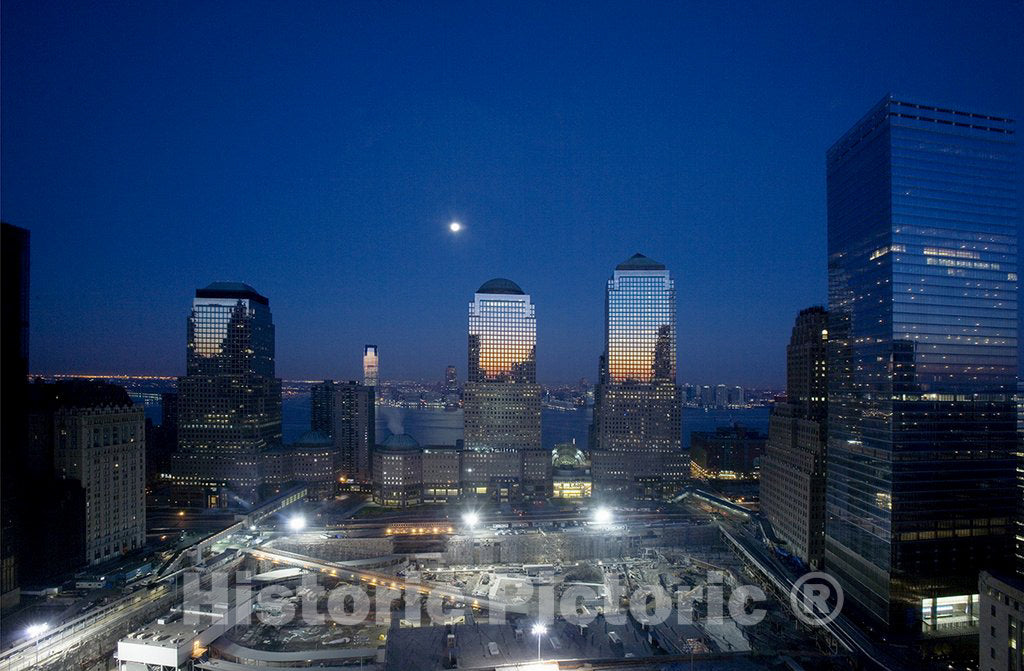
(398, 472)
(570, 472)
(406, 473)
(315, 461)
(501, 398)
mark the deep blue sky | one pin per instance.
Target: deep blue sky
(152, 147)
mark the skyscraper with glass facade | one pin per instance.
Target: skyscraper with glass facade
(371, 366)
(229, 401)
(923, 221)
(501, 398)
(637, 403)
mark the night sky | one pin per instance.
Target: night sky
(154, 147)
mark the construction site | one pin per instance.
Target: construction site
(495, 594)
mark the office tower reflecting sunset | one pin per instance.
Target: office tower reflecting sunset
(641, 322)
(501, 396)
(502, 334)
(637, 410)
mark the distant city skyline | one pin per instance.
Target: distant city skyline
(363, 366)
(107, 375)
(702, 145)
(368, 363)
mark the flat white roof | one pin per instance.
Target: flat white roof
(278, 574)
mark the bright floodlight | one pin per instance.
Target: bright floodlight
(471, 519)
(603, 515)
(37, 629)
(455, 227)
(297, 523)
(539, 630)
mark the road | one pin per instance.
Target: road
(340, 570)
(50, 647)
(848, 635)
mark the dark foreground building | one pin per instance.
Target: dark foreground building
(727, 453)
(14, 265)
(1001, 630)
(923, 218)
(321, 416)
(346, 412)
(793, 468)
(354, 419)
(86, 470)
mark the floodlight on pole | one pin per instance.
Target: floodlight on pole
(35, 631)
(297, 523)
(471, 519)
(603, 515)
(539, 630)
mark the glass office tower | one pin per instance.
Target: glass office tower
(371, 366)
(501, 398)
(922, 240)
(637, 403)
(502, 334)
(640, 322)
(229, 401)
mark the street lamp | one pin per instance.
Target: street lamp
(603, 516)
(297, 523)
(471, 519)
(538, 631)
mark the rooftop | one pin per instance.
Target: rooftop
(425, 648)
(231, 290)
(500, 285)
(400, 441)
(78, 394)
(314, 438)
(640, 262)
(902, 110)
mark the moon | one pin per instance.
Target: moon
(455, 227)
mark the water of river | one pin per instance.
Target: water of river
(432, 426)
